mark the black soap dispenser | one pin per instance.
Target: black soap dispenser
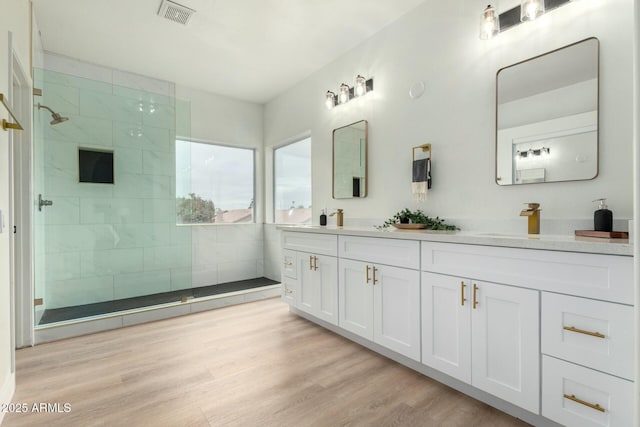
(323, 218)
(603, 217)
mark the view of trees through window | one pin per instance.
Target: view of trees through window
(292, 183)
(214, 183)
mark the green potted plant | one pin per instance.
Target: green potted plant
(407, 216)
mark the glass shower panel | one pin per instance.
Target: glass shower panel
(105, 247)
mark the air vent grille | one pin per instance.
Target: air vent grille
(175, 12)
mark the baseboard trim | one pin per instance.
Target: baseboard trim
(504, 406)
(7, 391)
(89, 325)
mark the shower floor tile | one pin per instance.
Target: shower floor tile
(88, 310)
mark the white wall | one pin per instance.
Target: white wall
(15, 18)
(438, 43)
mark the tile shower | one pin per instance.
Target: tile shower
(104, 242)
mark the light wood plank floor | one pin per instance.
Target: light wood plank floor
(248, 365)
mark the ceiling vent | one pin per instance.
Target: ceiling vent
(175, 12)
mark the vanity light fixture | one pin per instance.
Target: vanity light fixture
(490, 24)
(531, 152)
(528, 10)
(330, 100)
(346, 93)
(531, 9)
(361, 86)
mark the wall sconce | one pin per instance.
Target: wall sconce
(527, 11)
(346, 93)
(532, 152)
(490, 24)
(531, 9)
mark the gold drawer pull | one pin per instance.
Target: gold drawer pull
(581, 331)
(462, 298)
(375, 270)
(582, 402)
(367, 275)
(475, 296)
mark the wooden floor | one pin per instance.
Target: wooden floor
(248, 365)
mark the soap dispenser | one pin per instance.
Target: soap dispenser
(323, 217)
(603, 217)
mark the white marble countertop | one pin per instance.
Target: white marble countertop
(566, 243)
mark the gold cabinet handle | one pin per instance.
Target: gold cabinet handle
(287, 290)
(375, 270)
(582, 331)
(582, 402)
(315, 262)
(462, 298)
(310, 262)
(367, 274)
(475, 296)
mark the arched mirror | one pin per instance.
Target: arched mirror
(547, 117)
(350, 161)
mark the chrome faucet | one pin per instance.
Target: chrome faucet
(533, 217)
(340, 214)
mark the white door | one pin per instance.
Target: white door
(505, 343)
(446, 325)
(355, 297)
(396, 309)
(325, 272)
(305, 298)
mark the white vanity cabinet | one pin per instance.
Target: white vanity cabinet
(484, 334)
(315, 287)
(289, 276)
(381, 302)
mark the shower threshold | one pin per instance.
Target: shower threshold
(101, 308)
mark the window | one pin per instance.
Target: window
(214, 183)
(292, 183)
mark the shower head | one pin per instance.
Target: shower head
(57, 118)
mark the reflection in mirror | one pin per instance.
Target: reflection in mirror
(547, 117)
(350, 161)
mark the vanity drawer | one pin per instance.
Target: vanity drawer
(321, 244)
(596, 334)
(570, 393)
(399, 253)
(604, 277)
(289, 287)
(289, 264)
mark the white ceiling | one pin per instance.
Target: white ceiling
(246, 49)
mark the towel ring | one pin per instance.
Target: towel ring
(423, 147)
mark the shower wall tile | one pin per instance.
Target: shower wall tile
(159, 162)
(143, 235)
(111, 262)
(61, 156)
(127, 160)
(81, 83)
(124, 80)
(163, 116)
(86, 131)
(68, 238)
(62, 266)
(204, 275)
(111, 211)
(62, 99)
(237, 270)
(99, 105)
(159, 258)
(65, 210)
(142, 137)
(69, 66)
(144, 283)
(181, 278)
(144, 186)
(160, 210)
(65, 184)
(67, 293)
